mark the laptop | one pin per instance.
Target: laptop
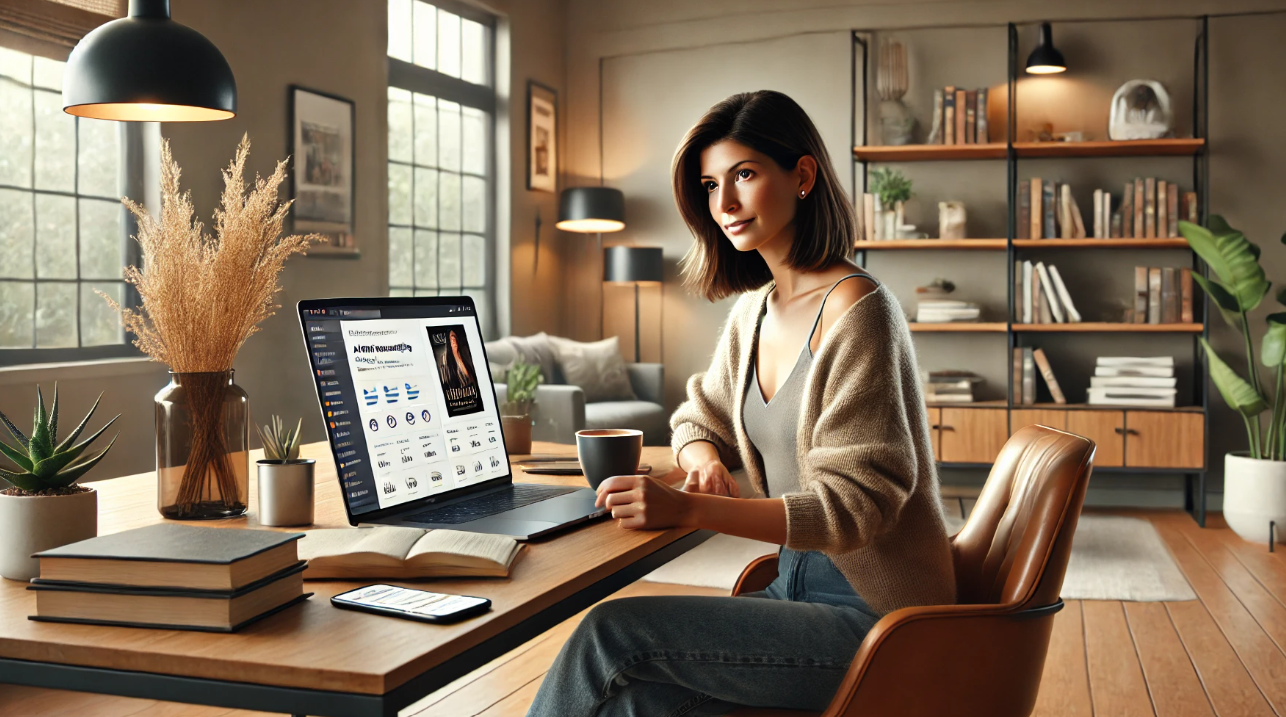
(410, 410)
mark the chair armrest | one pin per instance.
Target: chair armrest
(758, 575)
(559, 413)
(648, 381)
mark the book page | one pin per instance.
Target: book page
(387, 545)
(439, 547)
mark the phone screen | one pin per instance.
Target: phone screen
(410, 601)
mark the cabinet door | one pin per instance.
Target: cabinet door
(973, 435)
(935, 435)
(1023, 417)
(1106, 429)
(1164, 439)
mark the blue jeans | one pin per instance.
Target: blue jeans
(787, 646)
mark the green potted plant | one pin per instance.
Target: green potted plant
(44, 507)
(285, 479)
(892, 190)
(1255, 479)
(515, 413)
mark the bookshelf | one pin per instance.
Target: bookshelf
(1139, 440)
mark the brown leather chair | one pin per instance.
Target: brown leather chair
(983, 656)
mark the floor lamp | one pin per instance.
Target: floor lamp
(592, 210)
(635, 265)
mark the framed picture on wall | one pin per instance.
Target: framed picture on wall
(322, 161)
(542, 137)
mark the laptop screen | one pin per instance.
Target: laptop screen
(407, 398)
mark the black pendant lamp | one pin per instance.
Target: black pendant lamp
(1045, 59)
(147, 68)
(591, 210)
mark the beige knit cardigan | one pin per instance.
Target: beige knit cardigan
(868, 484)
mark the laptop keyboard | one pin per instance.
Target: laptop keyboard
(519, 495)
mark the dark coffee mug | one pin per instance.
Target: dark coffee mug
(607, 452)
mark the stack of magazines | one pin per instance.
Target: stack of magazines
(938, 311)
(949, 386)
(1133, 381)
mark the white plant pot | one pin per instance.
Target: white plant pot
(30, 524)
(1254, 493)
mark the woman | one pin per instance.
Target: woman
(813, 389)
(454, 368)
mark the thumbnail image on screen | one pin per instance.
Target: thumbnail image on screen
(455, 369)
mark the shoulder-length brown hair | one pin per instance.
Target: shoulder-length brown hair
(774, 124)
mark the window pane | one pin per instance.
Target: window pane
(482, 303)
(475, 140)
(102, 250)
(399, 125)
(449, 192)
(15, 235)
(401, 292)
(475, 261)
(473, 65)
(55, 144)
(100, 325)
(426, 258)
(16, 132)
(428, 292)
(426, 197)
(99, 156)
(15, 65)
(56, 237)
(48, 74)
(19, 300)
(475, 204)
(399, 256)
(426, 131)
(448, 43)
(449, 135)
(449, 260)
(55, 315)
(426, 35)
(399, 29)
(399, 194)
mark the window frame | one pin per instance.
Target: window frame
(422, 80)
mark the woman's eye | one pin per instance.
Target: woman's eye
(710, 186)
(745, 173)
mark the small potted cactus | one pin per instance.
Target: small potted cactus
(44, 507)
(285, 479)
(521, 381)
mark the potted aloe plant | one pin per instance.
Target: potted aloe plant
(44, 507)
(285, 479)
(1255, 479)
(515, 413)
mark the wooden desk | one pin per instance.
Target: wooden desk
(315, 659)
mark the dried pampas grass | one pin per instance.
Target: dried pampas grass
(203, 296)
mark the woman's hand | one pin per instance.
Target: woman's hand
(711, 477)
(643, 502)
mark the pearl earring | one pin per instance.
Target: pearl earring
(802, 193)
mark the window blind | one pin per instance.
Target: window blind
(60, 22)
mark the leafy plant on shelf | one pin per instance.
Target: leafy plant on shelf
(279, 444)
(44, 466)
(1238, 286)
(891, 186)
(522, 380)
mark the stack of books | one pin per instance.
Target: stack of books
(1040, 297)
(936, 311)
(1133, 381)
(1149, 208)
(171, 576)
(949, 386)
(1027, 362)
(959, 116)
(1162, 295)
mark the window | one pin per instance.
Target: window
(441, 188)
(60, 219)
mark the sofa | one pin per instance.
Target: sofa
(561, 408)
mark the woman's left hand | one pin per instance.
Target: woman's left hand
(643, 502)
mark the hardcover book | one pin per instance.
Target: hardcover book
(1037, 210)
(949, 115)
(1049, 204)
(1127, 211)
(962, 113)
(1191, 213)
(1154, 295)
(1048, 373)
(971, 116)
(1098, 214)
(1169, 296)
(935, 134)
(1185, 296)
(1073, 316)
(1029, 377)
(1172, 210)
(1049, 295)
(1163, 217)
(1149, 208)
(1023, 228)
(984, 134)
(1139, 204)
(1140, 294)
(393, 552)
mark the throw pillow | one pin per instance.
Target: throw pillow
(597, 367)
(529, 349)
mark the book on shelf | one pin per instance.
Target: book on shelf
(1073, 316)
(1127, 211)
(935, 134)
(946, 311)
(1136, 381)
(1163, 218)
(1154, 295)
(949, 115)
(1139, 205)
(1152, 371)
(1023, 225)
(393, 552)
(1078, 220)
(1066, 227)
(868, 215)
(1149, 208)
(1029, 377)
(1185, 296)
(1016, 379)
(962, 112)
(1107, 215)
(946, 391)
(971, 117)
(1049, 295)
(983, 132)
(1098, 214)
(1049, 205)
(1037, 211)
(1169, 296)
(1114, 231)
(1130, 397)
(1172, 210)
(1027, 293)
(1047, 372)
(1128, 361)
(1140, 294)
(1191, 211)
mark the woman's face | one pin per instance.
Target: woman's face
(750, 196)
(455, 346)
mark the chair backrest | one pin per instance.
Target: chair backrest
(1014, 548)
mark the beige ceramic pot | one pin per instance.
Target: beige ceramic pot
(30, 524)
(517, 430)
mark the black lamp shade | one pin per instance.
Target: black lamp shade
(632, 264)
(148, 68)
(590, 210)
(1045, 59)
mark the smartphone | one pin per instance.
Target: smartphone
(411, 604)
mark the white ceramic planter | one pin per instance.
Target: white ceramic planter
(1254, 493)
(30, 524)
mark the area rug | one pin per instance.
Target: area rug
(1113, 558)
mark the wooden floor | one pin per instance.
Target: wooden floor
(1224, 654)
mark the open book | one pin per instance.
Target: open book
(397, 552)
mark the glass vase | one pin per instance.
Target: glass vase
(202, 447)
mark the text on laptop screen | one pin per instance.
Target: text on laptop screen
(408, 402)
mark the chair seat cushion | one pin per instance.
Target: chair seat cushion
(642, 415)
